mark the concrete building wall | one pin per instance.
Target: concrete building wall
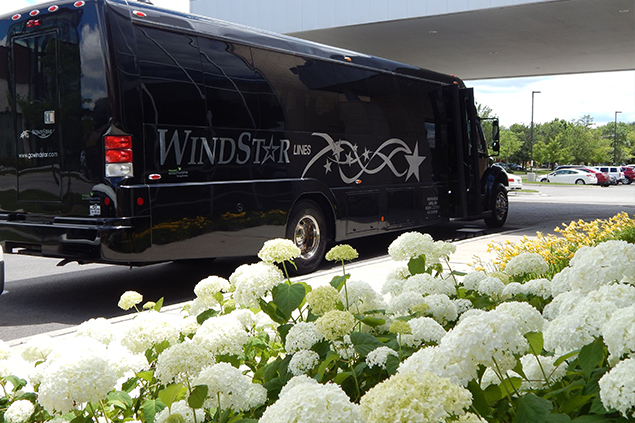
(288, 16)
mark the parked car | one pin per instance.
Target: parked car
(571, 176)
(515, 182)
(515, 166)
(603, 178)
(629, 173)
(614, 172)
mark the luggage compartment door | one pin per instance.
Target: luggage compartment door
(35, 75)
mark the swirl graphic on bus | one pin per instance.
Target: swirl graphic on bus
(351, 165)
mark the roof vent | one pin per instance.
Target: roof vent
(145, 1)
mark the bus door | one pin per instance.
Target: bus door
(36, 116)
(463, 154)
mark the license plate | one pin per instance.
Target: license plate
(95, 209)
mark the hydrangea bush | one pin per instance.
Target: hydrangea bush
(518, 344)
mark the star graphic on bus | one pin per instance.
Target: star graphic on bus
(370, 162)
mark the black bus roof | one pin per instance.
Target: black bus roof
(149, 14)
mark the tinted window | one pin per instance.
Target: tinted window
(231, 84)
(172, 77)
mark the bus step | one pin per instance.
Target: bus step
(468, 232)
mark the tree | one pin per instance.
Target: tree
(510, 145)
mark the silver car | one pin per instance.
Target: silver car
(571, 176)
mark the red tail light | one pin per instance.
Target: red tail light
(118, 155)
(118, 142)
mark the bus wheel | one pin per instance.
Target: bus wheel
(499, 206)
(307, 229)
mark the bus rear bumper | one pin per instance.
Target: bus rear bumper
(117, 241)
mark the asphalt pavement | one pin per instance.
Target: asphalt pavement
(372, 271)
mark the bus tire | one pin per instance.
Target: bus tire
(499, 204)
(308, 230)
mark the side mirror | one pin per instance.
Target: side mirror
(496, 146)
(495, 133)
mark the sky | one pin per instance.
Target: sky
(567, 97)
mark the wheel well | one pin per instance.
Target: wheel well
(325, 206)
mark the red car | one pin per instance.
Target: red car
(629, 173)
(603, 177)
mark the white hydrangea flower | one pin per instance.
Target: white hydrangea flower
(512, 289)
(378, 356)
(278, 250)
(254, 281)
(129, 299)
(302, 336)
(189, 325)
(414, 397)
(361, 297)
(470, 418)
(234, 390)
(441, 307)
(426, 284)
(19, 411)
(563, 303)
(539, 287)
(491, 286)
(303, 361)
(462, 305)
(344, 348)
(335, 324)
(211, 286)
(38, 348)
(424, 329)
(409, 245)
(402, 304)
(244, 316)
(617, 388)
(536, 373)
(574, 328)
(395, 281)
(526, 263)
(180, 408)
(606, 263)
(561, 282)
(99, 329)
(182, 362)
(471, 280)
(222, 335)
(5, 350)
(478, 339)
(619, 332)
(149, 328)
(76, 377)
(525, 315)
(304, 400)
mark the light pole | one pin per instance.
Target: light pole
(531, 133)
(615, 141)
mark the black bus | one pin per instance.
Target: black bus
(134, 135)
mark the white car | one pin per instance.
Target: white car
(515, 182)
(571, 176)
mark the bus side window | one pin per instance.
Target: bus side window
(354, 98)
(172, 77)
(231, 86)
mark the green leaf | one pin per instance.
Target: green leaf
(147, 376)
(245, 421)
(592, 356)
(532, 409)
(338, 281)
(558, 418)
(417, 265)
(479, 401)
(201, 318)
(592, 418)
(271, 310)
(159, 304)
(288, 297)
(370, 321)
(150, 409)
(364, 342)
(565, 357)
(172, 393)
(392, 363)
(493, 394)
(82, 419)
(198, 396)
(597, 407)
(120, 400)
(535, 342)
(341, 377)
(18, 383)
(325, 364)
